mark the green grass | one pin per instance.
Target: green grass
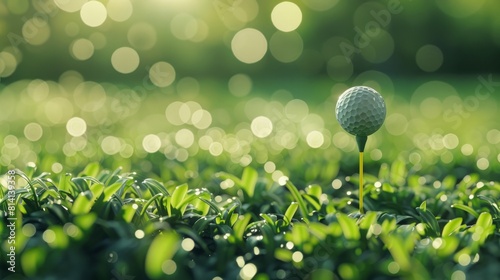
(104, 224)
(249, 207)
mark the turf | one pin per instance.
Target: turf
(105, 225)
(219, 202)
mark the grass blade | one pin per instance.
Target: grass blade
(81, 205)
(178, 195)
(155, 187)
(298, 198)
(146, 205)
(32, 188)
(492, 202)
(97, 190)
(312, 201)
(86, 200)
(290, 211)
(367, 220)
(349, 227)
(429, 219)
(485, 220)
(109, 191)
(452, 226)
(466, 209)
(240, 226)
(91, 170)
(248, 180)
(398, 251)
(212, 205)
(162, 249)
(269, 220)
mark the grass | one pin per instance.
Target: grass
(104, 224)
(235, 206)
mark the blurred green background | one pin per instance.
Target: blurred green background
(185, 88)
(49, 37)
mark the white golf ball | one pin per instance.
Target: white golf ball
(360, 110)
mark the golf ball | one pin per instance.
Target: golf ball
(360, 110)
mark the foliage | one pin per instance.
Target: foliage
(122, 226)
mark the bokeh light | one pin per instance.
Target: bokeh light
(89, 96)
(286, 16)
(33, 131)
(315, 139)
(184, 26)
(296, 110)
(396, 124)
(215, 148)
(169, 267)
(36, 31)
(240, 85)
(483, 163)
(380, 48)
(376, 154)
(184, 138)
(151, 143)
(187, 91)
(493, 136)
(450, 141)
(236, 14)
(191, 82)
(467, 149)
(429, 58)
(82, 49)
(54, 114)
(111, 145)
(261, 126)
(249, 45)
(177, 113)
(93, 13)
(125, 60)
(162, 74)
(201, 119)
(379, 81)
(76, 126)
(70, 6)
(98, 40)
(248, 271)
(286, 47)
(119, 10)
(430, 98)
(8, 64)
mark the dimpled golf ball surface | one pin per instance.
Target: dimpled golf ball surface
(360, 110)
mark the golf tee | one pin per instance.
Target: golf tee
(361, 182)
(361, 140)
